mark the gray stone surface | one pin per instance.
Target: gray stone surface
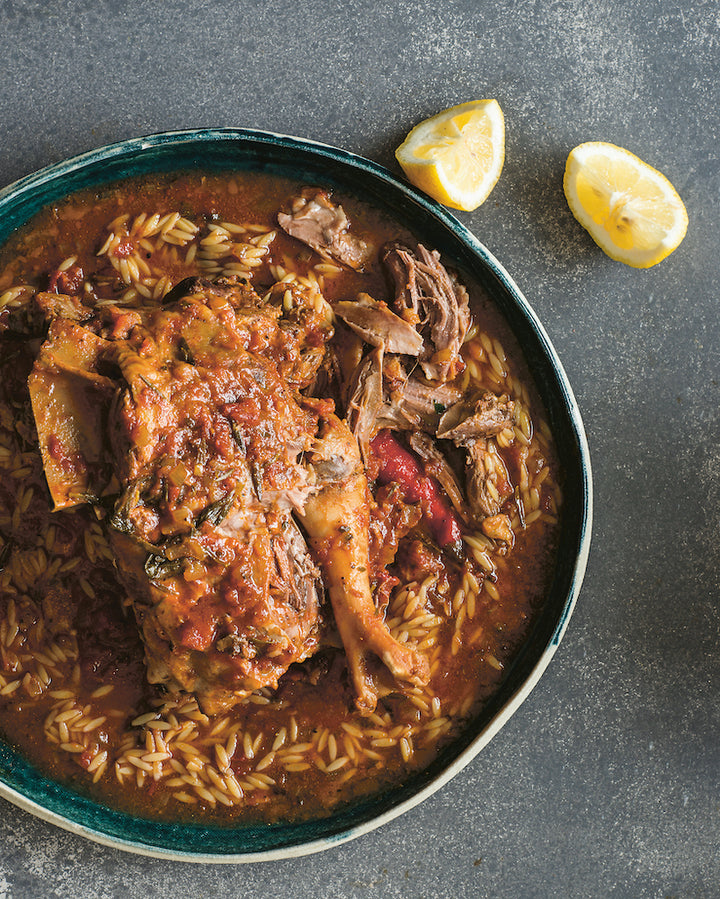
(606, 782)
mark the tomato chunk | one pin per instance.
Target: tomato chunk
(401, 466)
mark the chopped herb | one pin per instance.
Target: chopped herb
(238, 435)
(158, 567)
(185, 352)
(257, 479)
(217, 511)
(120, 522)
(5, 553)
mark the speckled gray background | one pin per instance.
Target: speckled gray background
(606, 782)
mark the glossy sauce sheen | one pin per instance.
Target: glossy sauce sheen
(316, 695)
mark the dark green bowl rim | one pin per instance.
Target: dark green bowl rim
(244, 149)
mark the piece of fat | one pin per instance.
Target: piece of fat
(70, 403)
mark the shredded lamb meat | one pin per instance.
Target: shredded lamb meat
(379, 326)
(429, 298)
(316, 221)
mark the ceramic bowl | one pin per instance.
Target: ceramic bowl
(319, 164)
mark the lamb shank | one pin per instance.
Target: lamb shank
(186, 427)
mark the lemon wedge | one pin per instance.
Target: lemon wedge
(630, 209)
(457, 155)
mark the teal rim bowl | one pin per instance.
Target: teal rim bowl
(240, 149)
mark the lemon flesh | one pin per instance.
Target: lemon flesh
(457, 155)
(629, 208)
